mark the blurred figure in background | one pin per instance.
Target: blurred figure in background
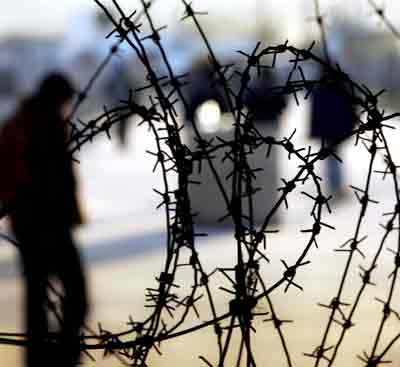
(265, 107)
(263, 104)
(39, 187)
(332, 119)
(117, 87)
(207, 108)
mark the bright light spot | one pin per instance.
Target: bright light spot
(208, 116)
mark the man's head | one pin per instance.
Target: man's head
(55, 89)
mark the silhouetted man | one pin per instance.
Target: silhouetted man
(39, 186)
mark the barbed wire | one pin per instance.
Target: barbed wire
(170, 306)
(380, 12)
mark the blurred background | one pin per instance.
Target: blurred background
(123, 240)
(71, 34)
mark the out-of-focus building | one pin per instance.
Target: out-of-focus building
(373, 58)
(23, 61)
(369, 55)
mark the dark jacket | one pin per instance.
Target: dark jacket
(37, 173)
(201, 88)
(332, 113)
(263, 102)
(260, 99)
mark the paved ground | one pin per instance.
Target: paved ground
(123, 249)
